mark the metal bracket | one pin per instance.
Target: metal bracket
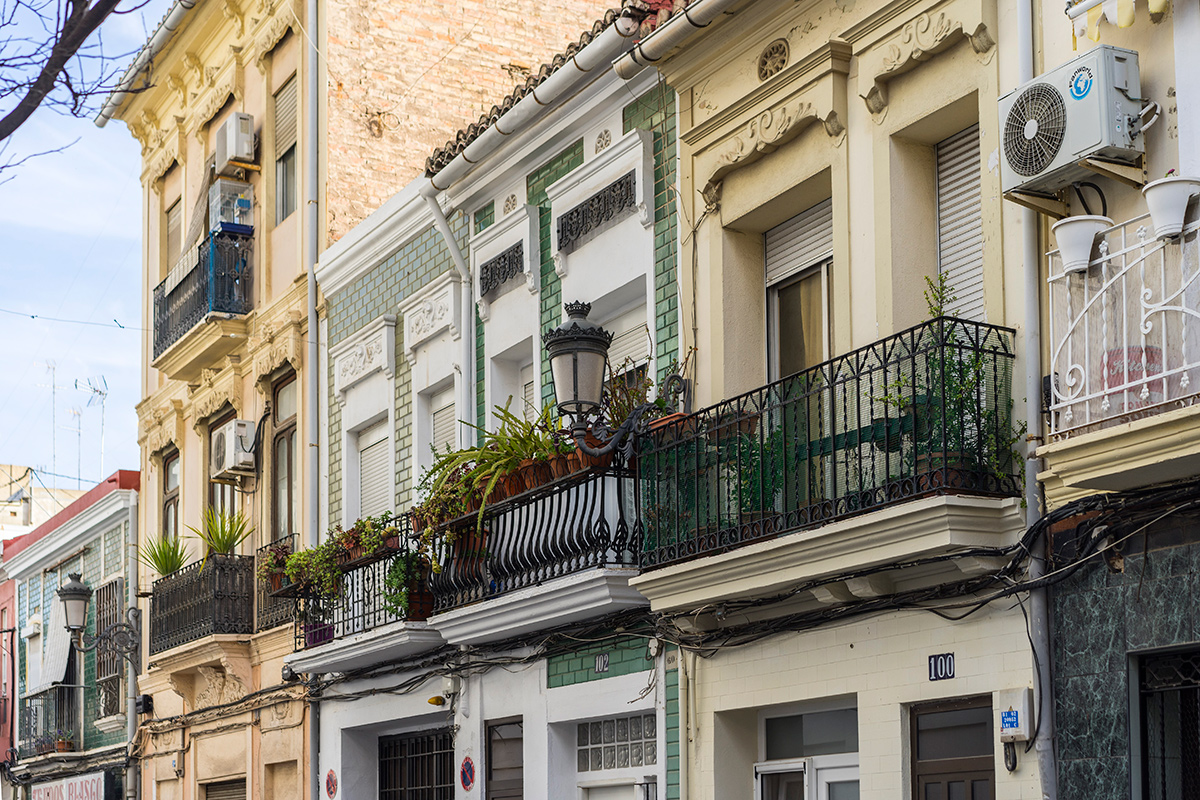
(1050, 206)
(1129, 174)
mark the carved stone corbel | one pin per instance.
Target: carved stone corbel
(233, 12)
(279, 344)
(765, 133)
(161, 426)
(216, 389)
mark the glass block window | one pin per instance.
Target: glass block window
(617, 743)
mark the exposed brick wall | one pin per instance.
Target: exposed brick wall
(405, 76)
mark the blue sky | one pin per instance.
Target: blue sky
(69, 248)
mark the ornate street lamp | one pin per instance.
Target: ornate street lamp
(578, 354)
(122, 638)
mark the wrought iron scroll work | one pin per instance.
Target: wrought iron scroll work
(602, 207)
(122, 638)
(503, 268)
(619, 438)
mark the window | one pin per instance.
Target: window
(416, 766)
(442, 420)
(374, 471)
(809, 755)
(616, 743)
(1169, 716)
(505, 760)
(797, 255)
(222, 496)
(174, 232)
(285, 150)
(170, 495)
(530, 407)
(110, 609)
(952, 750)
(225, 790)
(959, 221)
(286, 474)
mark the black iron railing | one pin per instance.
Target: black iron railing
(50, 721)
(927, 411)
(220, 282)
(271, 612)
(573, 524)
(207, 597)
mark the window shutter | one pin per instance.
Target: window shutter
(443, 428)
(226, 790)
(629, 345)
(174, 231)
(374, 476)
(804, 240)
(285, 117)
(960, 223)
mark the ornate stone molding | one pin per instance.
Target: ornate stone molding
(431, 311)
(160, 163)
(216, 389)
(270, 35)
(232, 10)
(770, 129)
(161, 426)
(279, 342)
(371, 349)
(919, 40)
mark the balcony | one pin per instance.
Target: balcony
(361, 625)
(896, 450)
(270, 611)
(557, 554)
(205, 598)
(196, 306)
(1125, 363)
(50, 721)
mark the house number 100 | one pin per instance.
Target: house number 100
(941, 666)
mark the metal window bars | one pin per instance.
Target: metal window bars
(926, 411)
(269, 611)
(1125, 332)
(49, 717)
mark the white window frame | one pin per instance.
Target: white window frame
(819, 772)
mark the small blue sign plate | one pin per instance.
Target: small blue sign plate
(1009, 721)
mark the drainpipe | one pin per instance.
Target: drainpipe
(131, 685)
(672, 33)
(158, 40)
(311, 242)
(1039, 600)
(467, 324)
(314, 750)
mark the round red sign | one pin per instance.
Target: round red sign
(466, 774)
(331, 783)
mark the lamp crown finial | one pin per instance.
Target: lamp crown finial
(577, 309)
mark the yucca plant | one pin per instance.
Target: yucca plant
(164, 555)
(221, 532)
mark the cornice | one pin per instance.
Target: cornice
(74, 534)
(374, 239)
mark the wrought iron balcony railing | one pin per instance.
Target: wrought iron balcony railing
(271, 612)
(923, 412)
(207, 597)
(576, 523)
(218, 281)
(48, 718)
(364, 603)
(1125, 332)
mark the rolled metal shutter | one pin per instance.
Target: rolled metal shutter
(960, 221)
(632, 344)
(285, 117)
(443, 427)
(375, 485)
(803, 241)
(225, 790)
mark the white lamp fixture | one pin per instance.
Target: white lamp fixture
(75, 596)
(578, 352)
(1076, 236)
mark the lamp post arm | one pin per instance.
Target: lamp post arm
(122, 638)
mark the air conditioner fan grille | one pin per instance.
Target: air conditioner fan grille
(1028, 147)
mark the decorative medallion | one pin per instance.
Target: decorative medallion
(603, 139)
(510, 204)
(773, 59)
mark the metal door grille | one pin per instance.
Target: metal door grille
(1170, 706)
(417, 766)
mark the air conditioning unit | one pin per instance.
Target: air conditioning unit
(233, 449)
(1089, 107)
(235, 142)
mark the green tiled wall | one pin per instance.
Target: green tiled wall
(550, 301)
(655, 112)
(372, 295)
(480, 398)
(625, 656)
(37, 593)
(673, 733)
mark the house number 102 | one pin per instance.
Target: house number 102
(601, 662)
(941, 666)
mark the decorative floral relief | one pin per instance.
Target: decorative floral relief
(603, 139)
(510, 204)
(360, 360)
(767, 131)
(428, 316)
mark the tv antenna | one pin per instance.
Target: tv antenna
(99, 391)
(77, 413)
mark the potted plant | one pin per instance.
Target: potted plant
(315, 570)
(164, 555)
(272, 564)
(1168, 198)
(221, 532)
(63, 741)
(405, 592)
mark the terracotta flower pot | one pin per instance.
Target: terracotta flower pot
(574, 462)
(560, 467)
(535, 473)
(420, 603)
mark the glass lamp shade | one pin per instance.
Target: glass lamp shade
(75, 596)
(578, 352)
